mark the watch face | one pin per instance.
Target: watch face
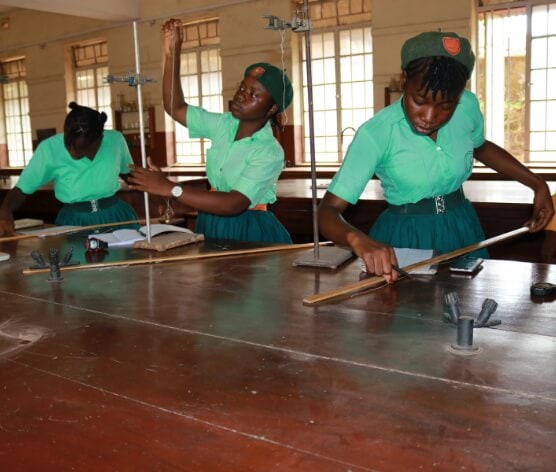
(177, 190)
(94, 244)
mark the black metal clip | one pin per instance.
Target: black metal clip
(483, 320)
(452, 313)
(54, 263)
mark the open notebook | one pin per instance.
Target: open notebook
(408, 256)
(126, 237)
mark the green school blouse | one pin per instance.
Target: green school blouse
(250, 166)
(411, 166)
(77, 180)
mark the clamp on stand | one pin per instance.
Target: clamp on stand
(330, 257)
(132, 79)
(297, 24)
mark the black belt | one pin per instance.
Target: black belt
(431, 206)
(92, 206)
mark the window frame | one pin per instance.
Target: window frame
(527, 6)
(95, 64)
(336, 17)
(200, 37)
(23, 135)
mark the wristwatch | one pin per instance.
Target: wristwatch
(95, 244)
(177, 191)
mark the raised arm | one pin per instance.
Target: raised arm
(503, 162)
(378, 257)
(172, 94)
(14, 199)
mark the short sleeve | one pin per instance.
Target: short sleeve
(360, 162)
(125, 155)
(472, 109)
(36, 173)
(202, 123)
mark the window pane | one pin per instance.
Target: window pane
(551, 54)
(538, 85)
(202, 85)
(16, 114)
(538, 53)
(537, 116)
(90, 88)
(537, 142)
(350, 95)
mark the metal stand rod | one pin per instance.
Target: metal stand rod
(141, 125)
(308, 67)
(464, 336)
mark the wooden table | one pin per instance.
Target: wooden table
(216, 365)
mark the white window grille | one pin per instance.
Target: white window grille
(342, 73)
(15, 101)
(515, 69)
(91, 66)
(201, 80)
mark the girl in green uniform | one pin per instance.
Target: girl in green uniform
(84, 164)
(422, 149)
(244, 161)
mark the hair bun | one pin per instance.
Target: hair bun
(73, 105)
(102, 117)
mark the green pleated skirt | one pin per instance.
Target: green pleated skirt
(444, 232)
(251, 225)
(119, 211)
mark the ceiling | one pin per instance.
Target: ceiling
(108, 10)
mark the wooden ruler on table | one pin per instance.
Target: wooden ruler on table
(362, 285)
(183, 257)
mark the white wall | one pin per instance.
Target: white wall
(45, 39)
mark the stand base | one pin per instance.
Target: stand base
(166, 241)
(330, 257)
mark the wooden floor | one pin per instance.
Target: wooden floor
(216, 365)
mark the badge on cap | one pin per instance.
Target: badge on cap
(451, 45)
(256, 72)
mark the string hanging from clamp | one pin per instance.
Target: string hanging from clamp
(330, 257)
(168, 213)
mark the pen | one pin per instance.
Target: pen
(401, 271)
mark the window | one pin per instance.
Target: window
(342, 73)
(515, 68)
(15, 101)
(201, 80)
(90, 63)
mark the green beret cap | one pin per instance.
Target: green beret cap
(438, 44)
(275, 81)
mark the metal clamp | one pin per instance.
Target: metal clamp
(452, 311)
(54, 263)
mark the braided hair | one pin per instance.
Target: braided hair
(83, 122)
(439, 74)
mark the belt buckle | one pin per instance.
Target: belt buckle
(440, 204)
(94, 206)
